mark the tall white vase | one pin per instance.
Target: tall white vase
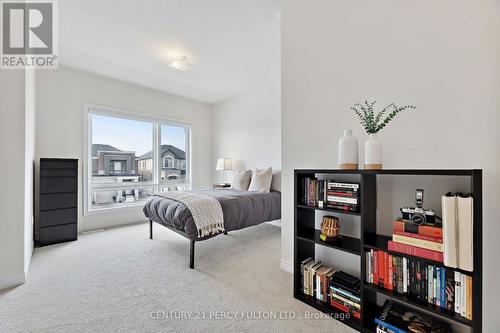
(348, 151)
(373, 153)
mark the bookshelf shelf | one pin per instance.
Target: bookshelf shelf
(433, 309)
(346, 244)
(306, 237)
(336, 211)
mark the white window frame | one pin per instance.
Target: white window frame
(156, 184)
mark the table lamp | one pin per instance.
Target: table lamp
(223, 164)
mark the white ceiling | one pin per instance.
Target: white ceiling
(228, 42)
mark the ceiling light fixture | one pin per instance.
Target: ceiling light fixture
(179, 63)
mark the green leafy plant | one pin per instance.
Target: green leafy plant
(372, 122)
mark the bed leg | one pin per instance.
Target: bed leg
(150, 229)
(191, 254)
(225, 232)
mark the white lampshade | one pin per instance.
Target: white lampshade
(223, 164)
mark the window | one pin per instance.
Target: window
(173, 142)
(168, 162)
(118, 167)
(130, 157)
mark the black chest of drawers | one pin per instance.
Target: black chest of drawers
(58, 204)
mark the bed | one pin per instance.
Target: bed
(240, 209)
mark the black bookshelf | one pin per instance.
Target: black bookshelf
(306, 237)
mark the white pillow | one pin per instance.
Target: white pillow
(261, 180)
(241, 180)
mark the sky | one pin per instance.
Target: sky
(133, 135)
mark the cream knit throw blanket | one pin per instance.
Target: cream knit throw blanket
(206, 211)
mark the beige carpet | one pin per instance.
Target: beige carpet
(118, 280)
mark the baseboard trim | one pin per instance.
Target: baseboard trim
(286, 266)
(11, 281)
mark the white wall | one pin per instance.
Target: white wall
(442, 56)
(61, 94)
(247, 125)
(247, 129)
(16, 198)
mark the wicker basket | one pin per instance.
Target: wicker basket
(330, 226)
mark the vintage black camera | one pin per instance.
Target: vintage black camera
(418, 215)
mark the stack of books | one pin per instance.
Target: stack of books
(343, 196)
(417, 240)
(345, 293)
(421, 281)
(336, 288)
(396, 317)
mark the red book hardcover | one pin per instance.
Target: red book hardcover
(419, 236)
(341, 194)
(375, 267)
(415, 251)
(386, 270)
(380, 270)
(400, 225)
(390, 271)
(382, 276)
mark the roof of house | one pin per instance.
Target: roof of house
(178, 153)
(96, 147)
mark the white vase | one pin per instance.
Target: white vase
(348, 151)
(373, 153)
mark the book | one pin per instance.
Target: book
(415, 251)
(342, 200)
(307, 276)
(469, 297)
(465, 233)
(318, 276)
(347, 279)
(347, 289)
(342, 207)
(450, 290)
(450, 228)
(326, 291)
(405, 275)
(312, 283)
(302, 264)
(438, 286)
(425, 244)
(346, 301)
(400, 287)
(458, 293)
(430, 283)
(367, 267)
(463, 296)
(320, 282)
(345, 293)
(321, 192)
(332, 185)
(443, 287)
(419, 236)
(399, 318)
(347, 194)
(407, 226)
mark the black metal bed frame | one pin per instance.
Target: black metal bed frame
(182, 233)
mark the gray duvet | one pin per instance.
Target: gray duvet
(241, 209)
